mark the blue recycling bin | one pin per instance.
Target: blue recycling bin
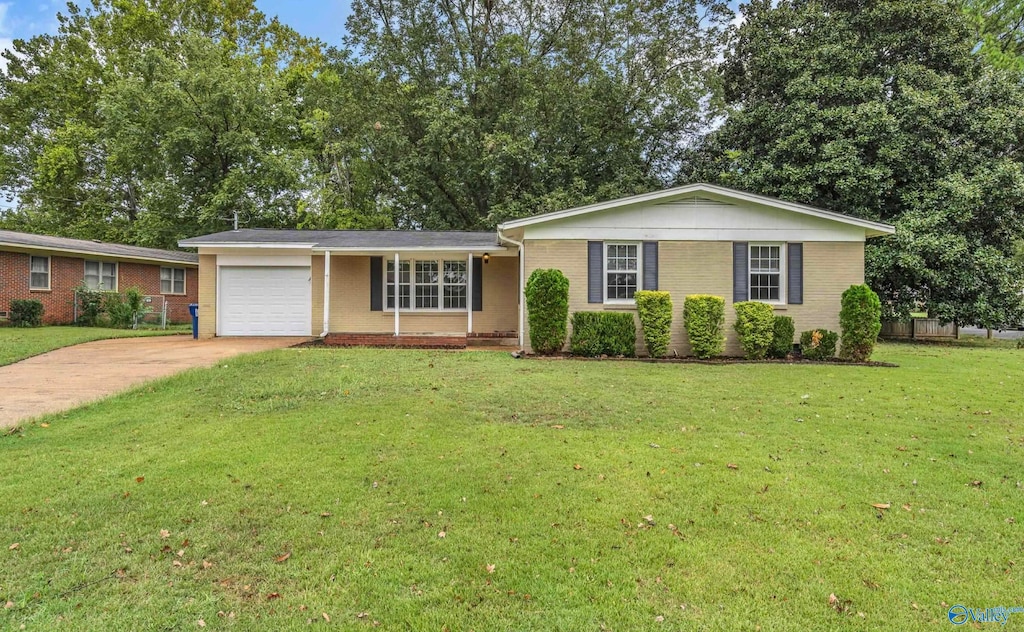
(193, 309)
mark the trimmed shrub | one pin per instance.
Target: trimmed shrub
(818, 344)
(704, 320)
(603, 333)
(755, 324)
(26, 313)
(547, 305)
(860, 320)
(127, 311)
(782, 339)
(655, 312)
(90, 305)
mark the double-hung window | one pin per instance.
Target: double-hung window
(101, 275)
(403, 285)
(765, 273)
(172, 280)
(621, 271)
(39, 273)
(428, 285)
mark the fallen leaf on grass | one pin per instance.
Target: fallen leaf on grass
(881, 505)
(325, 514)
(362, 615)
(8, 605)
(577, 467)
(839, 605)
(558, 427)
(44, 425)
(273, 595)
(164, 533)
(441, 534)
(282, 558)
(207, 565)
(14, 546)
(326, 618)
(976, 483)
(139, 479)
(201, 623)
(732, 466)
(490, 568)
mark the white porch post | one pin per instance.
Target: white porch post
(327, 292)
(469, 294)
(398, 300)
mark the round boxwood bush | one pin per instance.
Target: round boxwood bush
(547, 305)
(782, 338)
(755, 324)
(655, 312)
(818, 344)
(860, 320)
(704, 319)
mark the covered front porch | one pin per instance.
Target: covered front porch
(424, 298)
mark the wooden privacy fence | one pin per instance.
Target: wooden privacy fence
(919, 329)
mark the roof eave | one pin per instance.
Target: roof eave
(93, 253)
(872, 228)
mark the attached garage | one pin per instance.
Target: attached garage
(264, 301)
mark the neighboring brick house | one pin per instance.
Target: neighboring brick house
(49, 268)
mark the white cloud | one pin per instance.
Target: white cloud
(6, 41)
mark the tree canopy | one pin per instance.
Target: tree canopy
(880, 109)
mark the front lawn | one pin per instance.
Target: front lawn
(467, 490)
(18, 343)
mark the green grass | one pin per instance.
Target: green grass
(354, 461)
(18, 343)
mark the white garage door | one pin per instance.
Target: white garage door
(264, 301)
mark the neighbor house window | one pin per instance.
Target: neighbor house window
(621, 271)
(428, 285)
(39, 275)
(403, 284)
(101, 275)
(172, 280)
(766, 273)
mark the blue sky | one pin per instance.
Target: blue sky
(320, 18)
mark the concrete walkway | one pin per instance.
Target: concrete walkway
(72, 376)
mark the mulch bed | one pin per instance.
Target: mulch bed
(716, 360)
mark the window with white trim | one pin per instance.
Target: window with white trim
(403, 285)
(621, 271)
(765, 262)
(172, 280)
(428, 285)
(101, 275)
(455, 284)
(39, 273)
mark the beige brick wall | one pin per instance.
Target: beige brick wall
(207, 296)
(350, 302)
(316, 276)
(705, 267)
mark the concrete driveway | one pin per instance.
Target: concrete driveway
(72, 376)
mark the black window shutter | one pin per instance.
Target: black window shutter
(376, 284)
(650, 265)
(795, 273)
(478, 284)
(740, 272)
(595, 272)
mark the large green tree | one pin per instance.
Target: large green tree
(880, 109)
(1000, 27)
(492, 109)
(146, 121)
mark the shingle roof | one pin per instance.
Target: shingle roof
(84, 246)
(355, 239)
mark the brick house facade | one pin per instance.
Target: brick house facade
(66, 269)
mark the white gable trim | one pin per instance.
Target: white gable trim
(872, 229)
